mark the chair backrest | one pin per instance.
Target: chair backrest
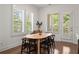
(52, 36)
(23, 41)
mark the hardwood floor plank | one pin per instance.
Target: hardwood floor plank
(61, 47)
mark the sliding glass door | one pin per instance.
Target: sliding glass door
(61, 26)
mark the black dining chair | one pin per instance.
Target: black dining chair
(24, 45)
(33, 46)
(52, 38)
(48, 43)
(28, 45)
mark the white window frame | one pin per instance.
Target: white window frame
(23, 23)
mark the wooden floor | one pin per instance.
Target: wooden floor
(61, 48)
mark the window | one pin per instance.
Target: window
(53, 24)
(18, 17)
(66, 22)
(29, 22)
(22, 22)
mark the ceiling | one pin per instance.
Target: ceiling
(41, 5)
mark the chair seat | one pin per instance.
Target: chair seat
(45, 43)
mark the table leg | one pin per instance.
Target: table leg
(38, 46)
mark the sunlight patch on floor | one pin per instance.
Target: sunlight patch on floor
(66, 50)
(56, 51)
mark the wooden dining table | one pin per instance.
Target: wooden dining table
(38, 37)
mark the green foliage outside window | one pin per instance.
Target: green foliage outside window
(66, 23)
(28, 24)
(55, 22)
(17, 21)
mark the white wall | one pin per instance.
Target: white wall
(72, 9)
(6, 39)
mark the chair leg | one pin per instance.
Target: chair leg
(28, 52)
(48, 50)
(21, 49)
(22, 46)
(53, 46)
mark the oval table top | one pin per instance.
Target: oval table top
(38, 35)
